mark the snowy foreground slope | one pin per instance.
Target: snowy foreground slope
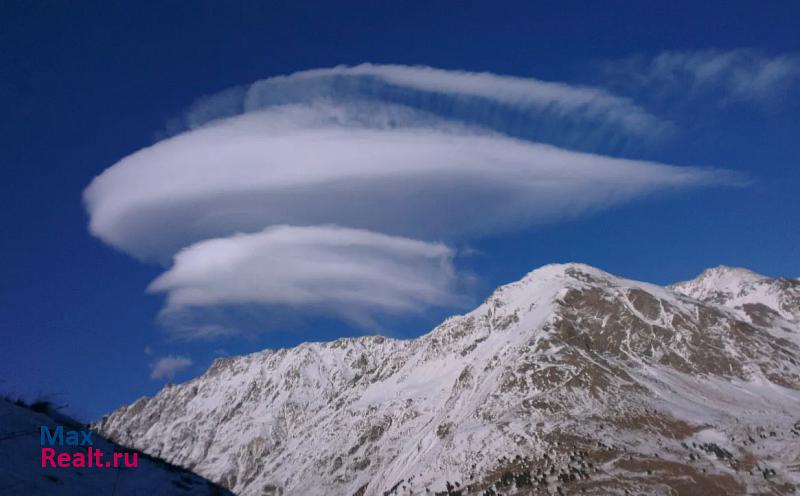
(21, 472)
(569, 381)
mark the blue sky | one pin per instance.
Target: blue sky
(83, 87)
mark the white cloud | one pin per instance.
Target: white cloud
(345, 272)
(313, 165)
(387, 82)
(247, 197)
(166, 367)
(579, 117)
(741, 75)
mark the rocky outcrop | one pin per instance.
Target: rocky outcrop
(570, 380)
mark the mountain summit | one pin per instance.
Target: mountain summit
(760, 298)
(571, 380)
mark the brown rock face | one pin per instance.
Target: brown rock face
(570, 381)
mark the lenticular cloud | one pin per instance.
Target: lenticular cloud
(247, 198)
(346, 270)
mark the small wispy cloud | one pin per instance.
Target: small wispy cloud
(166, 367)
(742, 75)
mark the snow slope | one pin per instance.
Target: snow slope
(21, 472)
(773, 304)
(571, 380)
(736, 287)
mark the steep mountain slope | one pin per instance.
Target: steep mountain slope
(21, 472)
(773, 304)
(571, 380)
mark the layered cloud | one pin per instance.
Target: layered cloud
(459, 92)
(335, 189)
(345, 272)
(309, 165)
(580, 117)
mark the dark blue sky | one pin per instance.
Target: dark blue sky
(84, 84)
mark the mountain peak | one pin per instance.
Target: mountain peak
(725, 272)
(717, 281)
(570, 370)
(546, 283)
(565, 270)
(758, 297)
(560, 275)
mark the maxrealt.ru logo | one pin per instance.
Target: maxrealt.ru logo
(71, 444)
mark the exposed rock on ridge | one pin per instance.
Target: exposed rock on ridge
(569, 380)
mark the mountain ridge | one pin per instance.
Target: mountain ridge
(569, 356)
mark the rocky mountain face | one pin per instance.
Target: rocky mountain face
(569, 381)
(773, 304)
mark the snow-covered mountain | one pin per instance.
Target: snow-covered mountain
(764, 301)
(21, 473)
(569, 381)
